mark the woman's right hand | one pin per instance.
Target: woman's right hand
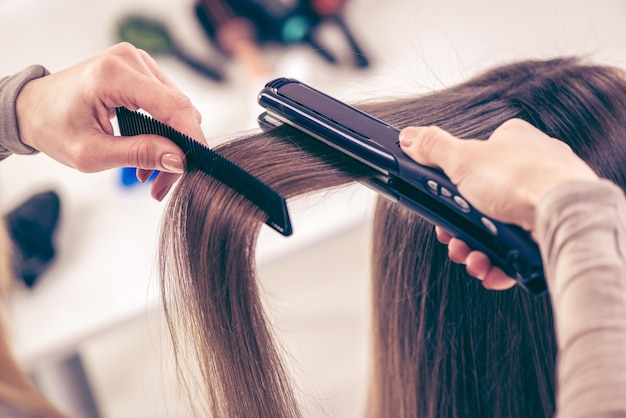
(504, 177)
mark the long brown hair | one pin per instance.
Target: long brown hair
(442, 345)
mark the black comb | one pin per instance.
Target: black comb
(213, 164)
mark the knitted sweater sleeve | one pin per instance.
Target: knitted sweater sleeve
(10, 86)
(581, 229)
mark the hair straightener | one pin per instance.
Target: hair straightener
(423, 189)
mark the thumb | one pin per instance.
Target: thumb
(150, 152)
(429, 145)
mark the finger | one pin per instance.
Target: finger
(496, 279)
(148, 152)
(136, 88)
(154, 69)
(477, 264)
(458, 250)
(443, 236)
(429, 145)
(143, 175)
(166, 104)
(131, 56)
(162, 185)
(163, 78)
(139, 60)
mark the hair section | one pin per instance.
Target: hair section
(442, 345)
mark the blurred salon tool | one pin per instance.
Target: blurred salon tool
(425, 190)
(284, 23)
(202, 158)
(32, 225)
(153, 37)
(332, 11)
(360, 59)
(128, 177)
(234, 34)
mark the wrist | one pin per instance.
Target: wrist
(551, 182)
(569, 191)
(25, 114)
(9, 131)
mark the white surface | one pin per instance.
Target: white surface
(103, 273)
(319, 303)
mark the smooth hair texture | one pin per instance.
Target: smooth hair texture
(443, 346)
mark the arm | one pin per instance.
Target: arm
(581, 229)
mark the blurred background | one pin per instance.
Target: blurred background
(87, 322)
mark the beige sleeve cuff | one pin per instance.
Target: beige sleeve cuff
(10, 87)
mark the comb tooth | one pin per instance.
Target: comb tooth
(213, 164)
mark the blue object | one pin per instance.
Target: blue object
(128, 176)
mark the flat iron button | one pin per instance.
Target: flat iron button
(491, 227)
(465, 207)
(445, 192)
(432, 185)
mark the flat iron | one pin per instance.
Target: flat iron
(425, 190)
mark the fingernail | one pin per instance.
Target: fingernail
(173, 163)
(477, 275)
(162, 193)
(143, 175)
(407, 136)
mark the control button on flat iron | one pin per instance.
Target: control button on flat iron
(491, 227)
(445, 192)
(522, 269)
(432, 185)
(465, 207)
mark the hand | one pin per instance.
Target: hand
(67, 115)
(504, 177)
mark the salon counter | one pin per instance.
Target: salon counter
(104, 272)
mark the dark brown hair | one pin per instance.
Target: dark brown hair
(442, 345)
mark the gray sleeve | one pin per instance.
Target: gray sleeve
(581, 229)
(10, 142)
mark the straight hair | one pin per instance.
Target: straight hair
(442, 345)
